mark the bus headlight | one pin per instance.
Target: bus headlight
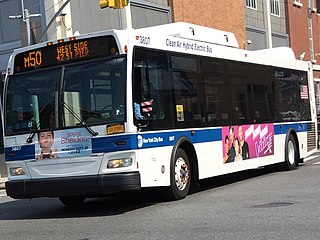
(16, 171)
(118, 163)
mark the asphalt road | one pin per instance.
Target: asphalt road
(249, 205)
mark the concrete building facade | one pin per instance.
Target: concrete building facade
(266, 23)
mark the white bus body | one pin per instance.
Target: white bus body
(147, 156)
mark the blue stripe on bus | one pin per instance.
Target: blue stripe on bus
(147, 140)
(150, 140)
(283, 128)
(113, 143)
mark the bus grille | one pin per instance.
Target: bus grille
(311, 136)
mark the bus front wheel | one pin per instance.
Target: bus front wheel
(180, 176)
(72, 201)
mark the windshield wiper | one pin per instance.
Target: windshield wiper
(37, 128)
(30, 138)
(83, 123)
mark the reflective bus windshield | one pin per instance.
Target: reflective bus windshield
(89, 93)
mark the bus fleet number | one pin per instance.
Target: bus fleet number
(16, 148)
(145, 40)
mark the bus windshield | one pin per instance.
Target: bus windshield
(89, 93)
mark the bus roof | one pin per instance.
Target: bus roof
(195, 32)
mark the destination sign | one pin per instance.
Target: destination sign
(65, 52)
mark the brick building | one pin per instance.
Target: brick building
(224, 15)
(303, 28)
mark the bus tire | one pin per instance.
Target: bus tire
(291, 154)
(73, 201)
(180, 176)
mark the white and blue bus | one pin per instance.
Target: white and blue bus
(163, 106)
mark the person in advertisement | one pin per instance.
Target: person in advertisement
(237, 149)
(226, 148)
(231, 151)
(243, 145)
(46, 151)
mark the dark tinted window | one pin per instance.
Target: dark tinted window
(188, 97)
(216, 92)
(200, 91)
(291, 94)
(240, 92)
(263, 108)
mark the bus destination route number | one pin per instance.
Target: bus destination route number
(33, 59)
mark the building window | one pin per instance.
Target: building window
(297, 3)
(251, 4)
(275, 7)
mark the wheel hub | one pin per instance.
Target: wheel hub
(181, 174)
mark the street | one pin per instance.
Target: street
(250, 205)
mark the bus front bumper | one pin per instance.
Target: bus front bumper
(96, 185)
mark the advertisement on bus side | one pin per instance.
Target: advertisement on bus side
(247, 142)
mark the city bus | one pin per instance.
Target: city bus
(159, 107)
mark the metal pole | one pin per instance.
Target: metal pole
(22, 9)
(26, 18)
(27, 21)
(268, 23)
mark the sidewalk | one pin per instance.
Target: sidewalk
(2, 183)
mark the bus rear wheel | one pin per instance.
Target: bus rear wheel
(291, 154)
(72, 201)
(180, 176)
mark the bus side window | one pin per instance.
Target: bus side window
(240, 93)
